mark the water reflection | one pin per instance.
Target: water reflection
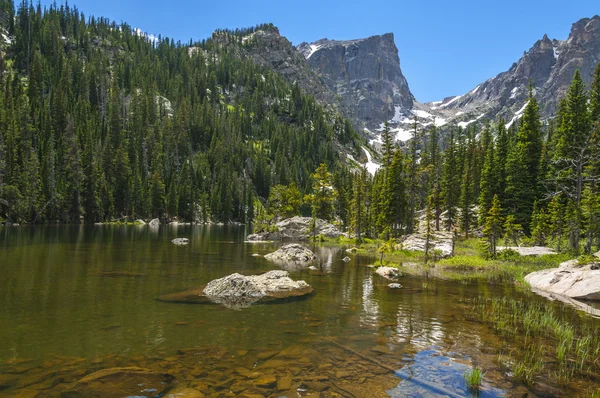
(89, 293)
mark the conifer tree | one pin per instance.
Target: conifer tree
(323, 195)
(450, 181)
(523, 162)
(358, 218)
(493, 226)
(489, 176)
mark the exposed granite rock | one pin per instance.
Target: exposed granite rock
(549, 64)
(292, 253)
(441, 241)
(238, 291)
(154, 223)
(528, 251)
(395, 286)
(365, 73)
(297, 228)
(139, 221)
(118, 383)
(390, 273)
(180, 241)
(581, 282)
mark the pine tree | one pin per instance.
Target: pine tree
(489, 177)
(358, 212)
(395, 203)
(467, 195)
(493, 226)
(449, 181)
(523, 162)
(590, 203)
(556, 216)
(512, 229)
(576, 148)
(386, 146)
(323, 195)
(539, 225)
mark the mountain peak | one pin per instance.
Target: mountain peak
(365, 73)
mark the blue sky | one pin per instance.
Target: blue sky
(446, 47)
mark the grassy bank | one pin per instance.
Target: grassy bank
(467, 263)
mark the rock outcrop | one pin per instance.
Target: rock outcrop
(154, 223)
(238, 291)
(364, 73)
(180, 241)
(292, 253)
(528, 251)
(441, 241)
(549, 65)
(297, 228)
(570, 279)
(118, 383)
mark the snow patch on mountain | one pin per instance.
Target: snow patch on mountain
(371, 166)
(517, 115)
(313, 49)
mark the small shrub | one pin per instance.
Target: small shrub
(509, 255)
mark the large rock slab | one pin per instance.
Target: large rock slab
(154, 223)
(118, 383)
(293, 253)
(441, 241)
(528, 251)
(297, 228)
(238, 291)
(570, 279)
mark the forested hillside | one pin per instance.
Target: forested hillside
(533, 180)
(99, 122)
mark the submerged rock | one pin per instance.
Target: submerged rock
(570, 279)
(292, 253)
(395, 286)
(238, 291)
(180, 241)
(346, 259)
(118, 383)
(297, 228)
(154, 222)
(441, 241)
(390, 273)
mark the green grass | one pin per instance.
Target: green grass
(474, 377)
(549, 342)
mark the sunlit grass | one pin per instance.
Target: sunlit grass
(474, 377)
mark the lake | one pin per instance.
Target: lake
(76, 299)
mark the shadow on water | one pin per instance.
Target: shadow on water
(77, 299)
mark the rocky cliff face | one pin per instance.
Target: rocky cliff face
(549, 65)
(363, 80)
(365, 74)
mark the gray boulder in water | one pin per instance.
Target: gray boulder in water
(390, 273)
(292, 253)
(154, 222)
(581, 282)
(238, 291)
(180, 241)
